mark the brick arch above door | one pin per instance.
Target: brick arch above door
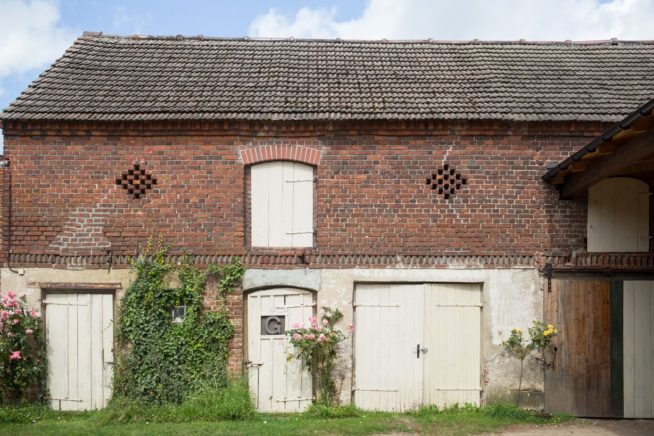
(266, 153)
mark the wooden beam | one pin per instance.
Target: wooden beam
(627, 154)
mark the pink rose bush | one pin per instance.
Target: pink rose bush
(316, 345)
(22, 351)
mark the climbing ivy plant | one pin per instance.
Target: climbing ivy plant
(162, 360)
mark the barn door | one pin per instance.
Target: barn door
(579, 383)
(79, 332)
(388, 333)
(417, 344)
(452, 335)
(277, 384)
(638, 349)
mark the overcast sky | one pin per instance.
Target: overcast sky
(33, 33)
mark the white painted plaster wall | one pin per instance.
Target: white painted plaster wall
(32, 278)
(511, 298)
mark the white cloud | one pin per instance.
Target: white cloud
(470, 19)
(30, 35)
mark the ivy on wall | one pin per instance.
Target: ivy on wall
(161, 360)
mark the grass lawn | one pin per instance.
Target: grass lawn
(452, 421)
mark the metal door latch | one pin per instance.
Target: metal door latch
(250, 364)
(419, 350)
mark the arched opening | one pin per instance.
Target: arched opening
(277, 384)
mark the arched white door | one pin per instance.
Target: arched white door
(277, 383)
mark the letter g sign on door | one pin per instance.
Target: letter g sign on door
(273, 325)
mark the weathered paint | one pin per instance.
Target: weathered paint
(32, 279)
(267, 278)
(79, 330)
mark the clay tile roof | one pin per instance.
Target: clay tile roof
(153, 78)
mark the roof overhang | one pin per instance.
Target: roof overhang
(626, 149)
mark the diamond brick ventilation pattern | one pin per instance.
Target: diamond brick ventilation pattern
(136, 181)
(447, 181)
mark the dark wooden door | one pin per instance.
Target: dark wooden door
(579, 382)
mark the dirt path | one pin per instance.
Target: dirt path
(586, 427)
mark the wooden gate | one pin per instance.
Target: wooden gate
(277, 383)
(79, 332)
(579, 383)
(604, 364)
(417, 344)
(638, 349)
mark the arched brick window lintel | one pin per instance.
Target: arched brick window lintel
(267, 153)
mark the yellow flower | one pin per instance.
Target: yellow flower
(550, 326)
(556, 331)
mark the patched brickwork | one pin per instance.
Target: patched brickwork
(83, 231)
(370, 192)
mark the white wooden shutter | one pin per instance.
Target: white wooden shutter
(618, 215)
(282, 205)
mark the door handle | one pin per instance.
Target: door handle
(419, 350)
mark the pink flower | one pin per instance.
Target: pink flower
(350, 327)
(321, 338)
(16, 321)
(29, 331)
(309, 336)
(15, 355)
(324, 321)
(4, 315)
(11, 334)
(33, 313)
(297, 336)
(296, 325)
(11, 296)
(313, 320)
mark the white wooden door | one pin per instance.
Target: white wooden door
(79, 332)
(638, 340)
(388, 374)
(452, 371)
(416, 344)
(277, 383)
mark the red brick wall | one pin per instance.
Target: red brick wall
(370, 194)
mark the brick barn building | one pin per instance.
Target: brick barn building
(437, 193)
